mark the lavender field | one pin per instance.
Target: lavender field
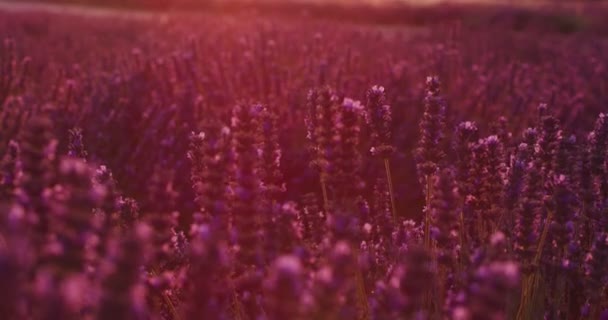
(248, 167)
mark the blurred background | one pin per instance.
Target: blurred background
(564, 16)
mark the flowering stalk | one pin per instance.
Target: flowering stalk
(37, 162)
(332, 290)
(321, 133)
(75, 144)
(247, 218)
(418, 275)
(121, 285)
(161, 226)
(346, 179)
(429, 154)
(348, 182)
(208, 267)
(532, 290)
(271, 175)
(446, 222)
(528, 232)
(598, 143)
(9, 172)
(490, 156)
(379, 118)
(313, 221)
(597, 277)
(466, 134)
(491, 283)
(210, 159)
(513, 191)
(284, 286)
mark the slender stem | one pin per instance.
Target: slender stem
(543, 238)
(167, 300)
(324, 190)
(522, 311)
(461, 238)
(427, 214)
(389, 179)
(238, 312)
(511, 227)
(361, 292)
(531, 282)
(428, 295)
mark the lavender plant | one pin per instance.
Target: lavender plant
(202, 192)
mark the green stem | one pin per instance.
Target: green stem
(461, 236)
(532, 281)
(361, 292)
(428, 295)
(427, 215)
(324, 190)
(387, 167)
(238, 312)
(543, 238)
(167, 300)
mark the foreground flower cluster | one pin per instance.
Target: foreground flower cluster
(251, 176)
